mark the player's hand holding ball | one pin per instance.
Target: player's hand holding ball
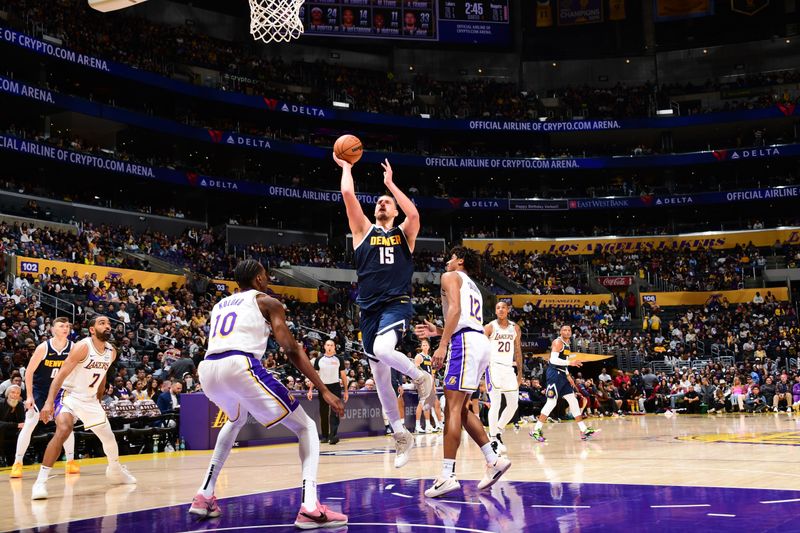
(347, 150)
(334, 402)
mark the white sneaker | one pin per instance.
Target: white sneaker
(428, 429)
(493, 472)
(119, 476)
(418, 429)
(442, 486)
(425, 389)
(501, 448)
(39, 491)
(404, 442)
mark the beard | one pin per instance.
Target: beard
(104, 336)
(13, 403)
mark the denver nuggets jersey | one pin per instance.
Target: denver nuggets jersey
(471, 305)
(503, 340)
(426, 364)
(562, 359)
(238, 325)
(88, 375)
(49, 367)
(384, 266)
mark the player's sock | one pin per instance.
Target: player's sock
(582, 425)
(538, 425)
(19, 458)
(384, 350)
(448, 468)
(398, 426)
(69, 447)
(44, 472)
(225, 441)
(488, 453)
(434, 419)
(310, 494)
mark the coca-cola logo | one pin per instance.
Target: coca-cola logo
(615, 281)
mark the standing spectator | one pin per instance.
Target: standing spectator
(330, 368)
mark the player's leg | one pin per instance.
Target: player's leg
(24, 440)
(418, 418)
(324, 418)
(575, 409)
(72, 466)
(333, 436)
(512, 404)
(64, 423)
(495, 397)
(552, 400)
(94, 418)
(456, 402)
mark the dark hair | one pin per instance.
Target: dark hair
(387, 195)
(94, 319)
(246, 271)
(472, 261)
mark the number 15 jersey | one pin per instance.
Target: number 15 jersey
(237, 325)
(471, 304)
(384, 265)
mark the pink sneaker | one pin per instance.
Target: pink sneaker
(319, 517)
(205, 507)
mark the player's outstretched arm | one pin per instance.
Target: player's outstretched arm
(33, 364)
(359, 223)
(411, 224)
(273, 311)
(77, 354)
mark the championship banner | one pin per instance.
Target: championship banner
(616, 10)
(301, 294)
(148, 280)
(544, 14)
(574, 12)
(671, 299)
(748, 7)
(539, 301)
(679, 9)
(689, 241)
(615, 281)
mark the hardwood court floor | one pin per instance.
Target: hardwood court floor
(730, 451)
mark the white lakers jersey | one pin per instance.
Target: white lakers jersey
(503, 342)
(471, 304)
(238, 325)
(83, 381)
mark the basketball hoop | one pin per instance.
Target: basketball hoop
(275, 20)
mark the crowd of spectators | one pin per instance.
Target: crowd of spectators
(147, 45)
(539, 273)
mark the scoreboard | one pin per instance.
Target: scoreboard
(456, 21)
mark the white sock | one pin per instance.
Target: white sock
(398, 426)
(19, 458)
(310, 494)
(488, 453)
(225, 441)
(434, 419)
(448, 468)
(44, 471)
(538, 425)
(109, 442)
(582, 425)
(69, 447)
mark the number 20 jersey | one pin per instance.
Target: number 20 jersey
(237, 325)
(384, 265)
(471, 305)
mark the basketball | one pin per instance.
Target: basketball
(348, 147)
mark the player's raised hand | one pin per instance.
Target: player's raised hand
(426, 330)
(334, 402)
(341, 162)
(387, 172)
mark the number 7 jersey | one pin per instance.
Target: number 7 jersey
(237, 325)
(471, 305)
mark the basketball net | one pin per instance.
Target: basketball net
(275, 20)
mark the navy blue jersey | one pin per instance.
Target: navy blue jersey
(48, 368)
(384, 266)
(426, 364)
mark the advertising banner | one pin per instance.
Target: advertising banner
(554, 300)
(615, 281)
(573, 12)
(148, 280)
(668, 299)
(689, 241)
(680, 9)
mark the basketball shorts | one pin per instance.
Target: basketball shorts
(501, 378)
(467, 359)
(87, 410)
(558, 385)
(239, 384)
(39, 399)
(391, 316)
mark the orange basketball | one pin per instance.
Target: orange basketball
(349, 148)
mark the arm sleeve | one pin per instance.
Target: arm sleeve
(555, 359)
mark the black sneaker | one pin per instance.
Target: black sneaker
(333, 440)
(389, 430)
(323, 440)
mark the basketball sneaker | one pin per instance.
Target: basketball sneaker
(404, 442)
(425, 389)
(501, 447)
(418, 429)
(205, 507)
(537, 435)
(72, 467)
(39, 491)
(442, 486)
(319, 517)
(16, 470)
(493, 472)
(585, 435)
(119, 475)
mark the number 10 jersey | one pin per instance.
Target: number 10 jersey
(237, 325)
